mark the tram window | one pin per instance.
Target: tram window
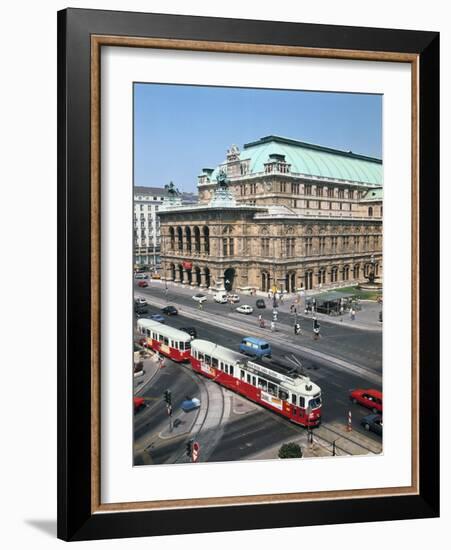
(272, 388)
(254, 381)
(301, 401)
(148, 333)
(262, 384)
(226, 367)
(248, 378)
(293, 399)
(187, 345)
(231, 370)
(283, 395)
(200, 356)
(214, 362)
(208, 359)
(242, 374)
(177, 345)
(160, 337)
(166, 341)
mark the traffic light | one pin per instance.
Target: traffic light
(189, 447)
(168, 397)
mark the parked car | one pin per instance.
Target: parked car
(156, 276)
(191, 331)
(255, 347)
(247, 310)
(169, 310)
(200, 298)
(143, 284)
(234, 298)
(140, 301)
(138, 403)
(157, 317)
(260, 303)
(141, 276)
(371, 399)
(372, 423)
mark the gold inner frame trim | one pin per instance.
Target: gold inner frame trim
(97, 41)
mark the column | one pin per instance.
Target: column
(203, 279)
(185, 277)
(177, 275)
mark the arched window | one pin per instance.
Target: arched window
(180, 239)
(206, 233)
(188, 239)
(196, 231)
(334, 274)
(370, 211)
(171, 238)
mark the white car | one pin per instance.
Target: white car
(234, 298)
(199, 298)
(140, 301)
(245, 309)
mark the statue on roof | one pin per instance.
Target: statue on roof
(172, 190)
(222, 180)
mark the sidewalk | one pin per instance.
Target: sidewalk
(366, 319)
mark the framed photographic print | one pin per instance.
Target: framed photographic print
(248, 274)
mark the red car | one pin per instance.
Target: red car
(138, 403)
(371, 399)
(143, 284)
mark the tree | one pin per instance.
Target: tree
(290, 450)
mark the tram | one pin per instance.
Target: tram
(168, 341)
(267, 383)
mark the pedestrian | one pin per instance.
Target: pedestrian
(291, 308)
(262, 323)
(352, 313)
(260, 319)
(316, 328)
(269, 295)
(273, 326)
(297, 329)
(200, 305)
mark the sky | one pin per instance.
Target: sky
(178, 130)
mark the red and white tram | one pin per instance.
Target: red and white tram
(168, 341)
(268, 383)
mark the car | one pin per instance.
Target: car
(141, 276)
(234, 298)
(141, 308)
(156, 276)
(200, 298)
(157, 317)
(140, 301)
(247, 310)
(255, 347)
(190, 404)
(372, 423)
(371, 399)
(220, 297)
(190, 330)
(138, 403)
(143, 284)
(260, 303)
(169, 310)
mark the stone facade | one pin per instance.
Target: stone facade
(281, 230)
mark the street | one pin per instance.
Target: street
(344, 358)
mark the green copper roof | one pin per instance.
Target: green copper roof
(312, 160)
(376, 194)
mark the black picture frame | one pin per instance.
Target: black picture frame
(76, 518)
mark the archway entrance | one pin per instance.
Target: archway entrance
(172, 272)
(196, 280)
(290, 282)
(266, 282)
(229, 278)
(207, 277)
